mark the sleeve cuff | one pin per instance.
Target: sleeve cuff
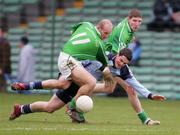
(150, 96)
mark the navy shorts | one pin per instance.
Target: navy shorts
(66, 95)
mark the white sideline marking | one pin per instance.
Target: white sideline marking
(79, 129)
(46, 129)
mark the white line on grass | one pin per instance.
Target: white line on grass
(80, 129)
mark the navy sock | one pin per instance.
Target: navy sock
(26, 109)
(34, 85)
(38, 85)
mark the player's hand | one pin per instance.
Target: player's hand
(158, 97)
(108, 79)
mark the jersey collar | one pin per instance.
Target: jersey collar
(98, 32)
(128, 26)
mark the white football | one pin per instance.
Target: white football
(84, 104)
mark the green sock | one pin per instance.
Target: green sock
(73, 104)
(143, 117)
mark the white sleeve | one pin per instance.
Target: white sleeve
(138, 86)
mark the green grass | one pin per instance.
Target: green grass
(110, 116)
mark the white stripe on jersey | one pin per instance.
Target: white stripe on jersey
(83, 41)
(89, 24)
(91, 33)
(119, 24)
(120, 37)
(78, 35)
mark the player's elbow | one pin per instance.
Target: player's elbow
(130, 91)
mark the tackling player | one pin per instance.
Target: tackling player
(86, 42)
(61, 98)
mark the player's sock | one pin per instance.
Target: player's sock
(29, 86)
(25, 109)
(79, 115)
(35, 85)
(143, 117)
(73, 104)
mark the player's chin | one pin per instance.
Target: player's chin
(118, 66)
(104, 37)
(135, 29)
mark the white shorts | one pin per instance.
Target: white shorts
(66, 64)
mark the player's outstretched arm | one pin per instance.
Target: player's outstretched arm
(158, 97)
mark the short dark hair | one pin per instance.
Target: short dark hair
(24, 40)
(134, 13)
(127, 53)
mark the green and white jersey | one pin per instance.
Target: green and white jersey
(120, 37)
(86, 43)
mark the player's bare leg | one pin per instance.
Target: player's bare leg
(46, 84)
(87, 83)
(40, 106)
(84, 79)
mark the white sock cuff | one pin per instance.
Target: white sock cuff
(147, 120)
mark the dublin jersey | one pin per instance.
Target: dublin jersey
(126, 74)
(86, 43)
(120, 37)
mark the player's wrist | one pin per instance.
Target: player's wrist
(150, 96)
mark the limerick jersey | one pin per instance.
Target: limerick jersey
(120, 37)
(86, 43)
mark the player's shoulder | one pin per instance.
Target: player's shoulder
(126, 68)
(129, 70)
(81, 25)
(121, 23)
(88, 24)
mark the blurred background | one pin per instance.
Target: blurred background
(47, 25)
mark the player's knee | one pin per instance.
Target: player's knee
(64, 85)
(92, 84)
(89, 86)
(49, 109)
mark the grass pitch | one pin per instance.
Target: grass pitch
(110, 116)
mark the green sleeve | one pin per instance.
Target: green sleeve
(74, 28)
(122, 39)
